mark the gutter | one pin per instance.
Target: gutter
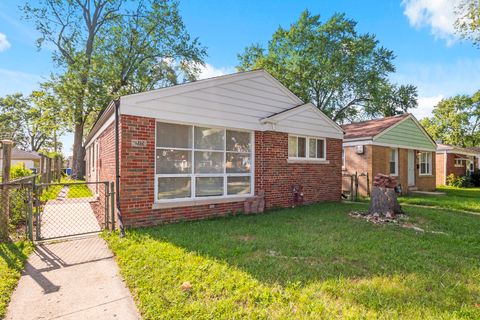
(117, 169)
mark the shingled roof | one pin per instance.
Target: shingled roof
(370, 128)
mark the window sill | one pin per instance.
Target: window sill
(192, 203)
(425, 175)
(314, 161)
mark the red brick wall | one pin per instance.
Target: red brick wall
(274, 175)
(105, 170)
(321, 182)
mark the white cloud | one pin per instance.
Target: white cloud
(4, 44)
(209, 71)
(438, 14)
(425, 106)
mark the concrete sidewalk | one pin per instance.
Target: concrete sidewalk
(76, 279)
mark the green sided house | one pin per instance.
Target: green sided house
(396, 145)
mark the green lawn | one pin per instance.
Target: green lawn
(466, 199)
(12, 259)
(308, 262)
(79, 191)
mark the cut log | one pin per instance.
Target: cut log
(383, 202)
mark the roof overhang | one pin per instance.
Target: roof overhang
(105, 118)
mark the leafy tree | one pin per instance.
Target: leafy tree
(456, 121)
(31, 120)
(345, 73)
(107, 48)
(467, 24)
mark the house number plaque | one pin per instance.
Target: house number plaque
(139, 143)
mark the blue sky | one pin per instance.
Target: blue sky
(420, 32)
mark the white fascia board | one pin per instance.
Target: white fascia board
(107, 123)
(350, 143)
(453, 151)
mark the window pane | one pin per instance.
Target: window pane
(392, 168)
(312, 146)
(171, 188)
(422, 167)
(209, 138)
(320, 149)
(174, 135)
(238, 141)
(301, 147)
(208, 162)
(238, 162)
(211, 186)
(238, 185)
(173, 161)
(392, 155)
(292, 146)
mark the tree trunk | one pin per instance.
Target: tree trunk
(78, 153)
(383, 202)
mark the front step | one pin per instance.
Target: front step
(412, 188)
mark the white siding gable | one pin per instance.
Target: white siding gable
(240, 101)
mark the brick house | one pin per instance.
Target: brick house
(396, 145)
(213, 147)
(455, 160)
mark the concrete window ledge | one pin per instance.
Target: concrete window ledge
(192, 203)
(312, 161)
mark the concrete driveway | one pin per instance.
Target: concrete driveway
(76, 279)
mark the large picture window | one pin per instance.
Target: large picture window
(306, 148)
(425, 163)
(199, 162)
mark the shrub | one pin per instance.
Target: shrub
(475, 176)
(19, 171)
(459, 181)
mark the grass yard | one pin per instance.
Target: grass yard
(307, 262)
(12, 259)
(466, 199)
(79, 191)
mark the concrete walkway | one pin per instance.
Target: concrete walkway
(68, 217)
(76, 279)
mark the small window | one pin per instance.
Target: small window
(306, 147)
(393, 162)
(458, 163)
(343, 157)
(425, 163)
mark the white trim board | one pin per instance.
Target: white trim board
(370, 142)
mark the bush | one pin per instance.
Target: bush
(459, 181)
(19, 171)
(475, 176)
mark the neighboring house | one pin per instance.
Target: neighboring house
(398, 146)
(30, 159)
(212, 147)
(455, 160)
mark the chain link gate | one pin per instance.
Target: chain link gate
(67, 209)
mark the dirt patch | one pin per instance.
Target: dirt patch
(247, 238)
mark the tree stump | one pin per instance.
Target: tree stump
(383, 199)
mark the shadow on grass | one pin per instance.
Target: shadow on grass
(321, 250)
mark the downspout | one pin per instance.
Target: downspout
(117, 169)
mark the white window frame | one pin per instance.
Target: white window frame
(344, 157)
(458, 163)
(395, 174)
(307, 148)
(429, 162)
(192, 175)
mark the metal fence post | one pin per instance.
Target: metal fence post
(112, 202)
